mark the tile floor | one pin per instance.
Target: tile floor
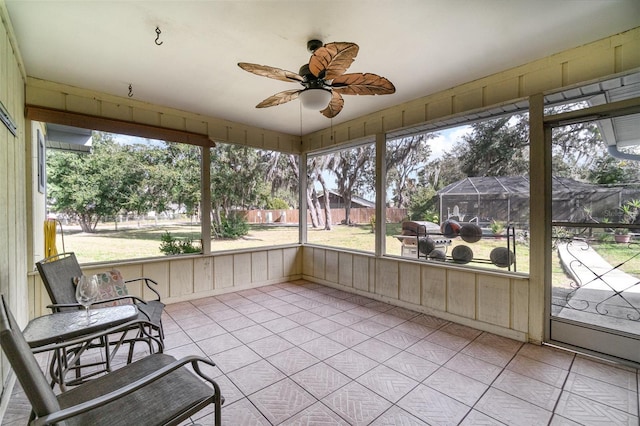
(304, 354)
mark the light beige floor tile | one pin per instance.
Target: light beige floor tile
(605, 372)
(433, 407)
(351, 363)
(412, 365)
(474, 368)
(356, 404)
(396, 416)
(397, 338)
(432, 352)
(256, 376)
(243, 412)
(491, 354)
(320, 379)
(511, 410)
(323, 347)
(538, 370)
(376, 349)
(347, 336)
(292, 360)
(476, 418)
(316, 415)
(299, 335)
(270, 345)
(387, 383)
(235, 358)
(528, 389)
(588, 412)
(281, 400)
(456, 385)
(605, 393)
(448, 340)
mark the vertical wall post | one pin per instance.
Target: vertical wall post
(381, 198)
(539, 218)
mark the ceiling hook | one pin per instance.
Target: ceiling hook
(130, 91)
(158, 32)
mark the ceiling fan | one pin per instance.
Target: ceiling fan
(323, 79)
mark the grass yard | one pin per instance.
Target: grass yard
(142, 240)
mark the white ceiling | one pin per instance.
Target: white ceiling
(422, 46)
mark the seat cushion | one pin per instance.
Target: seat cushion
(111, 285)
(155, 404)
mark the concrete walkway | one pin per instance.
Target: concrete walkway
(604, 295)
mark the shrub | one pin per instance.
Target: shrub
(234, 226)
(171, 245)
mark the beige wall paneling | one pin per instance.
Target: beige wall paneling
(361, 273)
(242, 269)
(307, 260)
(345, 269)
(494, 300)
(275, 264)
(461, 293)
(410, 288)
(48, 94)
(202, 274)
(181, 277)
(292, 260)
(82, 104)
(434, 287)
(319, 263)
(386, 278)
(332, 267)
(158, 271)
(520, 305)
(223, 271)
(259, 267)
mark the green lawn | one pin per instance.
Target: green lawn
(142, 240)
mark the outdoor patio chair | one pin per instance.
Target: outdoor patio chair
(154, 390)
(58, 273)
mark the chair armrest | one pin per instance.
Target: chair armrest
(128, 389)
(148, 282)
(55, 307)
(134, 300)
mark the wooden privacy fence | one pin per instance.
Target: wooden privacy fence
(357, 215)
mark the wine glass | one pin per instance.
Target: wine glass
(86, 294)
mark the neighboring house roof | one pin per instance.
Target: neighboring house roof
(354, 199)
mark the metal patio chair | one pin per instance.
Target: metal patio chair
(155, 390)
(58, 273)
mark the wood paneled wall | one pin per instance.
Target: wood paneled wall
(13, 192)
(183, 278)
(490, 301)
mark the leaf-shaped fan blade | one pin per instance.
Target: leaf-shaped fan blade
(332, 60)
(279, 98)
(334, 107)
(271, 72)
(362, 84)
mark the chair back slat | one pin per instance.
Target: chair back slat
(57, 273)
(25, 366)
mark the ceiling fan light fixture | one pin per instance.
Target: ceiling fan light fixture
(315, 98)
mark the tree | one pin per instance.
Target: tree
(355, 173)
(496, 148)
(237, 181)
(405, 157)
(316, 167)
(92, 186)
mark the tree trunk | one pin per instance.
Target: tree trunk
(327, 204)
(312, 211)
(318, 207)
